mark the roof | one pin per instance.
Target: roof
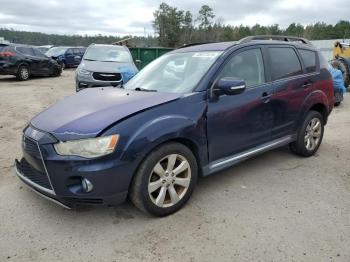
(268, 39)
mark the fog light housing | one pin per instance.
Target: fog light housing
(86, 185)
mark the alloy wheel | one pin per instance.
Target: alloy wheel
(313, 134)
(169, 180)
(24, 73)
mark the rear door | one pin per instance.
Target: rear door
(77, 56)
(291, 84)
(30, 58)
(239, 122)
(69, 56)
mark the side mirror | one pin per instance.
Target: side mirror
(229, 86)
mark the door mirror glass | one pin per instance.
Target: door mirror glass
(229, 86)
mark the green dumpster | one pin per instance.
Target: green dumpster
(147, 54)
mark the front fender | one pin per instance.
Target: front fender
(163, 129)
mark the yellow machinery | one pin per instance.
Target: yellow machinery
(341, 55)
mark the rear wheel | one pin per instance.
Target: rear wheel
(309, 136)
(22, 73)
(165, 180)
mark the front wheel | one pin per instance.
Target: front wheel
(309, 136)
(56, 72)
(165, 180)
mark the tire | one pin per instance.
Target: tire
(56, 72)
(343, 67)
(308, 143)
(155, 183)
(23, 73)
(63, 65)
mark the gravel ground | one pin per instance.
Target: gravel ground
(275, 207)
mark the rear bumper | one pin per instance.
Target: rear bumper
(7, 69)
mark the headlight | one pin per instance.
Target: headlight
(88, 148)
(82, 71)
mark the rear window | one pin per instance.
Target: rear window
(284, 62)
(309, 58)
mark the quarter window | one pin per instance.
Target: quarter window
(247, 65)
(309, 58)
(284, 62)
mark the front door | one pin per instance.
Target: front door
(237, 123)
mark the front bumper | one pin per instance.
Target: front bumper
(60, 178)
(82, 82)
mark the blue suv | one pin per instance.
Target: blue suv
(66, 56)
(190, 113)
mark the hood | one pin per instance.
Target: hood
(90, 111)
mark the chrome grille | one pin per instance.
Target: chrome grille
(108, 77)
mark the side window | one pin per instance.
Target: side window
(309, 58)
(76, 51)
(247, 65)
(25, 50)
(38, 53)
(284, 62)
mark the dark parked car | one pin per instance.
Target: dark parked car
(66, 56)
(190, 113)
(105, 65)
(24, 61)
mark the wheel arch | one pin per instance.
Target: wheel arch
(316, 101)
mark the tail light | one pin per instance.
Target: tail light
(7, 54)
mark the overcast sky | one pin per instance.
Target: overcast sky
(125, 17)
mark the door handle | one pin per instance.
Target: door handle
(265, 97)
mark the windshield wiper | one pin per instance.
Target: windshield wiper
(145, 89)
(87, 59)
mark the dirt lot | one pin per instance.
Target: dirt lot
(275, 207)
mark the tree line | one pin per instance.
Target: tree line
(175, 27)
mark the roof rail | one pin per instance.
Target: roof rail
(276, 38)
(193, 44)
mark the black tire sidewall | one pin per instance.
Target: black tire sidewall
(19, 73)
(299, 145)
(144, 173)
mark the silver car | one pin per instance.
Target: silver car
(105, 65)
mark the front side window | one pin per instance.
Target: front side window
(247, 65)
(174, 72)
(284, 62)
(309, 58)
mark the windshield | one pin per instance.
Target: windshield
(108, 54)
(56, 51)
(175, 73)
